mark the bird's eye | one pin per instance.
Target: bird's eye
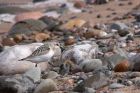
(57, 44)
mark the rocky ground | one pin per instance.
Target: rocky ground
(98, 47)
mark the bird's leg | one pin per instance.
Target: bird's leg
(51, 63)
(36, 65)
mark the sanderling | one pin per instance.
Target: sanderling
(43, 53)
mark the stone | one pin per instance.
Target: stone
(95, 33)
(90, 90)
(9, 63)
(133, 74)
(81, 51)
(115, 86)
(101, 1)
(90, 1)
(27, 27)
(71, 24)
(114, 60)
(40, 37)
(28, 15)
(90, 64)
(51, 75)
(70, 40)
(16, 84)
(34, 74)
(46, 86)
(18, 38)
(122, 66)
(119, 26)
(136, 81)
(52, 23)
(8, 42)
(79, 4)
(98, 80)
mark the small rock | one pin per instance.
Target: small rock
(72, 24)
(34, 74)
(122, 66)
(119, 26)
(97, 81)
(90, 1)
(95, 33)
(18, 38)
(133, 74)
(99, 16)
(115, 86)
(51, 75)
(79, 4)
(114, 60)
(136, 81)
(41, 37)
(101, 1)
(70, 40)
(52, 23)
(91, 64)
(89, 90)
(46, 86)
(8, 42)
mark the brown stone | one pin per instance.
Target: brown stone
(95, 33)
(79, 4)
(41, 37)
(18, 38)
(122, 66)
(8, 42)
(70, 41)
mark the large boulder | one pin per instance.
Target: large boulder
(9, 63)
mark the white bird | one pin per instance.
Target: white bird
(43, 53)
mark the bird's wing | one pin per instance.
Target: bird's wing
(39, 51)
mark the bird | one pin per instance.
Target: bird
(43, 53)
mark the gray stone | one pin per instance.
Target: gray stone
(89, 90)
(113, 60)
(96, 81)
(16, 84)
(115, 86)
(27, 27)
(46, 86)
(51, 75)
(34, 74)
(91, 64)
(119, 26)
(118, 92)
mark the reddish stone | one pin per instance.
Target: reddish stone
(122, 66)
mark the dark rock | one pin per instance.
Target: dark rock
(50, 22)
(27, 27)
(119, 26)
(98, 80)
